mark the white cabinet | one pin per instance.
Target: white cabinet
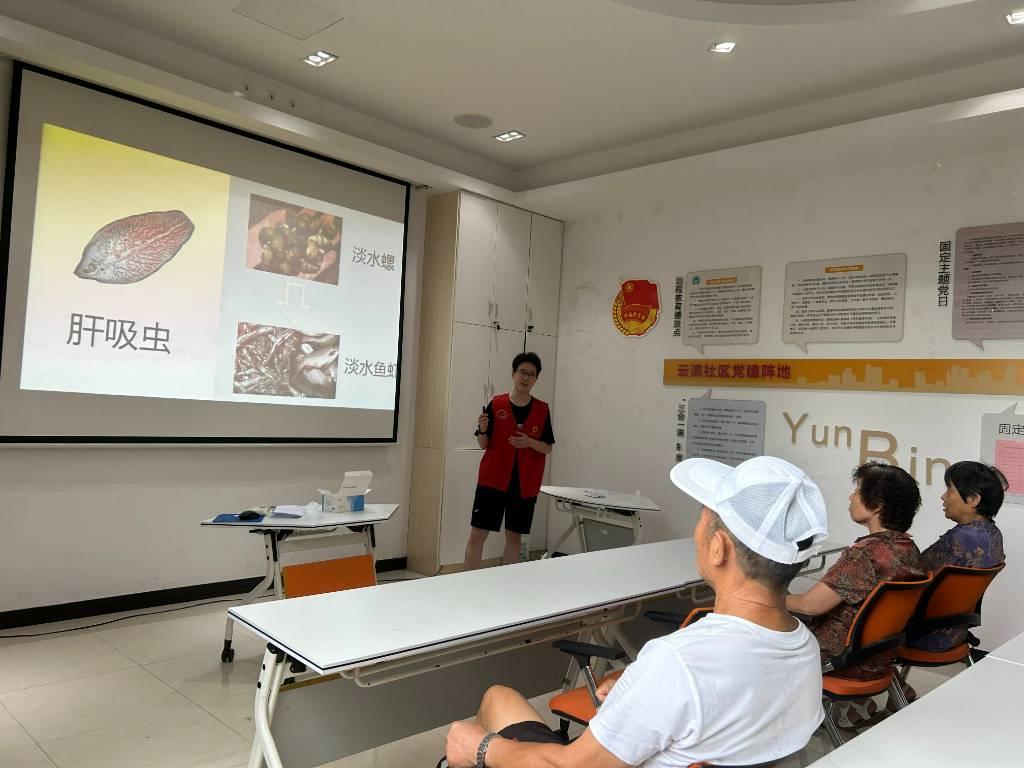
(493, 266)
(511, 268)
(470, 387)
(545, 275)
(544, 347)
(460, 473)
(481, 366)
(474, 287)
(508, 345)
(490, 271)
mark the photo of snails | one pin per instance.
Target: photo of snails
(291, 240)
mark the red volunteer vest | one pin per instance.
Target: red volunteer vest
(496, 465)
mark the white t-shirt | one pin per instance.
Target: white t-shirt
(723, 689)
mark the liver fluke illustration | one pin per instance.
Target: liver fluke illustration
(133, 248)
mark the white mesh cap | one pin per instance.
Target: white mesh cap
(767, 503)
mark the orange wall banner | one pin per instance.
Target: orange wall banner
(980, 376)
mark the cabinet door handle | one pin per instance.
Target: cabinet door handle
(496, 310)
(529, 314)
(490, 309)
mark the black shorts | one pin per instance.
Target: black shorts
(490, 506)
(532, 731)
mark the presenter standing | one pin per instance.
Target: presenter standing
(515, 432)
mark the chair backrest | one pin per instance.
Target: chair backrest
(954, 598)
(328, 576)
(881, 622)
(696, 615)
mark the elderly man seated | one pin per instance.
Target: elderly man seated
(740, 687)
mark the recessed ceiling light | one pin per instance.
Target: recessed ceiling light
(723, 46)
(1015, 17)
(510, 136)
(319, 58)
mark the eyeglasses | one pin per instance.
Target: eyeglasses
(525, 373)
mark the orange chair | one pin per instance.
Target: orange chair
(328, 576)
(953, 600)
(581, 704)
(879, 626)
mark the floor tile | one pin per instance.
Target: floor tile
(182, 736)
(235, 711)
(203, 678)
(24, 756)
(17, 749)
(42, 662)
(64, 709)
(172, 638)
(424, 749)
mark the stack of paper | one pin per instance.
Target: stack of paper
(289, 510)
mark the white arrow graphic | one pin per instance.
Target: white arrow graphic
(294, 304)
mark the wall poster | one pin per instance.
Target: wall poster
(722, 306)
(858, 299)
(988, 283)
(1002, 444)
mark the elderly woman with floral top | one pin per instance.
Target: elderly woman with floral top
(884, 501)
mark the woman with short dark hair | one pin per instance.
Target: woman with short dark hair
(974, 494)
(884, 501)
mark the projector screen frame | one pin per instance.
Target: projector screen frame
(6, 224)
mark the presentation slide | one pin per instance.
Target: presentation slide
(255, 291)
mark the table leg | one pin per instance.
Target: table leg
(227, 655)
(580, 533)
(561, 539)
(275, 555)
(271, 674)
(616, 636)
(368, 533)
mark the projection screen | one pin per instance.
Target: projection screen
(170, 279)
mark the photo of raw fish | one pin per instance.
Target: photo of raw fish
(133, 248)
(291, 240)
(272, 360)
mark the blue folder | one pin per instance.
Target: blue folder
(229, 518)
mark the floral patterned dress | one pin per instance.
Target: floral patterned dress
(978, 544)
(882, 556)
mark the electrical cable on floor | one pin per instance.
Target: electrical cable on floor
(147, 613)
(123, 618)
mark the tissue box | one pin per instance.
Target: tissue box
(356, 483)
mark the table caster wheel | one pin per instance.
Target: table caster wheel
(228, 654)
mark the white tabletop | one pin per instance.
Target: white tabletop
(971, 720)
(344, 630)
(597, 497)
(374, 513)
(1012, 650)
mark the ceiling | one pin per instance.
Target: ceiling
(581, 78)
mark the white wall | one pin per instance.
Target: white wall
(84, 523)
(616, 421)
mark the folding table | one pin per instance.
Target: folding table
(295, 534)
(394, 631)
(618, 510)
(972, 719)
